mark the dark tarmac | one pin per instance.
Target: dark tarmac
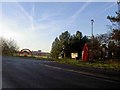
(29, 73)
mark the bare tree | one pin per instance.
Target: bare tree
(8, 47)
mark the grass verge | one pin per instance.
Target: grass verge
(107, 65)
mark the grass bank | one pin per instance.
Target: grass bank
(107, 65)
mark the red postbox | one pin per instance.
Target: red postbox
(85, 53)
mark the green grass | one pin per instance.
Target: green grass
(103, 65)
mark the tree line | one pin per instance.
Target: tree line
(65, 44)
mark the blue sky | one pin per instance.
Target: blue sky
(35, 25)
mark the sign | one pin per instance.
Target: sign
(74, 55)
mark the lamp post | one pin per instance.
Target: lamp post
(92, 21)
(118, 2)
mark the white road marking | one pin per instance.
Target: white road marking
(97, 76)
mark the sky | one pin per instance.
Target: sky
(35, 25)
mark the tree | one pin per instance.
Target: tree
(103, 38)
(116, 19)
(112, 49)
(55, 48)
(64, 43)
(115, 35)
(95, 48)
(61, 45)
(78, 35)
(9, 47)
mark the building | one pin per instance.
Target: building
(40, 53)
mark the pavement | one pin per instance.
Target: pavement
(30, 73)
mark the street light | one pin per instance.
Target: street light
(118, 2)
(92, 21)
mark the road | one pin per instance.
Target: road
(29, 73)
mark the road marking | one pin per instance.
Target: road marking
(86, 73)
(70, 70)
(53, 67)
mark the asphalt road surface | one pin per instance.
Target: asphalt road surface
(30, 73)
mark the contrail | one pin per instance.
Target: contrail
(23, 10)
(29, 16)
(72, 18)
(109, 7)
(98, 15)
(80, 10)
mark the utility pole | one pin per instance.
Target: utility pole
(92, 36)
(118, 2)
